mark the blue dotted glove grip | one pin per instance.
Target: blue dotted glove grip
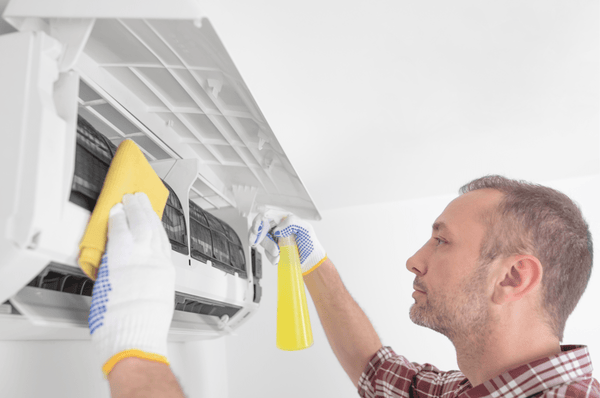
(258, 235)
(99, 297)
(305, 244)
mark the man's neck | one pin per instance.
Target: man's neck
(491, 354)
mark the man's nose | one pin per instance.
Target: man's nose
(416, 263)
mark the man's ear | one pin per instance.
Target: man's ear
(522, 274)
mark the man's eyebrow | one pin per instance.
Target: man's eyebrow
(440, 225)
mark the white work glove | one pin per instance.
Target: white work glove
(283, 225)
(133, 298)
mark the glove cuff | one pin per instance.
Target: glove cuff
(316, 258)
(123, 335)
(110, 364)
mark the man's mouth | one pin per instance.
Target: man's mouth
(419, 289)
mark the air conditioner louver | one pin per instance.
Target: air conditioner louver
(62, 278)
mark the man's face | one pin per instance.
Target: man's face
(451, 290)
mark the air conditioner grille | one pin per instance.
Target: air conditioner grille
(174, 222)
(214, 223)
(231, 235)
(214, 240)
(201, 241)
(197, 214)
(238, 260)
(93, 155)
(220, 248)
(92, 158)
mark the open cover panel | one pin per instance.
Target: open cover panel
(178, 93)
(185, 92)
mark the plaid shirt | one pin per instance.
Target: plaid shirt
(568, 374)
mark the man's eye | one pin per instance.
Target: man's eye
(439, 241)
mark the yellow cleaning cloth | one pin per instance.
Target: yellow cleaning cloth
(129, 172)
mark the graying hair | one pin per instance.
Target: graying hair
(537, 220)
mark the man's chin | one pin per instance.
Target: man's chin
(417, 316)
(420, 317)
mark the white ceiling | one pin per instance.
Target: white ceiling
(387, 100)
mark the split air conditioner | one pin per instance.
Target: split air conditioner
(77, 78)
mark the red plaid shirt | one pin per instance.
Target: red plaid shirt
(568, 374)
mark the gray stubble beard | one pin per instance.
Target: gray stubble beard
(466, 322)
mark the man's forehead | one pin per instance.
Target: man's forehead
(466, 209)
(475, 201)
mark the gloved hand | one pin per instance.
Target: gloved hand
(133, 298)
(283, 225)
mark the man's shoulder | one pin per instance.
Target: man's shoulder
(391, 371)
(583, 388)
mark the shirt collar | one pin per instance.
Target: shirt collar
(571, 364)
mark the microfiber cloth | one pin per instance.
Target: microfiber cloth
(129, 172)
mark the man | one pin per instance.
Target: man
(493, 278)
(505, 266)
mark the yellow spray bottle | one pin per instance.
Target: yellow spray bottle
(293, 323)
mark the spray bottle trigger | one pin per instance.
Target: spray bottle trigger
(272, 233)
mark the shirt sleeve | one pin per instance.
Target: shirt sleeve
(389, 375)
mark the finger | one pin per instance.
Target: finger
(119, 237)
(149, 214)
(258, 230)
(163, 237)
(159, 238)
(287, 227)
(271, 247)
(144, 203)
(275, 217)
(117, 222)
(274, 260)
(139, 222)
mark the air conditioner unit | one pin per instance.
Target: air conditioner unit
(77, 78)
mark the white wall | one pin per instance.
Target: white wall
(370, 246)
(71, 369)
